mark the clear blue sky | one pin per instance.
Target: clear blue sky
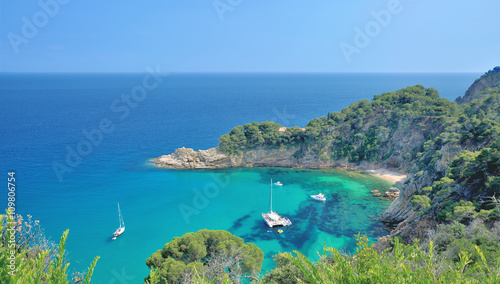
(254, 36)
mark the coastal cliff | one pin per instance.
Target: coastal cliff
(186, 158)
(411, 131)
(364, 136)
(489, 80)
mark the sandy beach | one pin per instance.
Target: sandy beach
(388, 175)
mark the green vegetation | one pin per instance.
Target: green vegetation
(253, 135)
(447, 260)
(26, 257)
(357, 133)
(452, 157)
(472, 183)
(421, 202)
(204, 255)
(285, 271)
(455, 238)
(364, 130)
(400, 264)
(457, 147)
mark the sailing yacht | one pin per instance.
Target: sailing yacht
(120, 229)
(272, 218)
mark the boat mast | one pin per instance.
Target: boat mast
(271, 199)
(120, 219)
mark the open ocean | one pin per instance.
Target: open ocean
(46, 118)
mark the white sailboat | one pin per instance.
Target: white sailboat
(120, 229)
(272, 218)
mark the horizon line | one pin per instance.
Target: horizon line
(241, 72)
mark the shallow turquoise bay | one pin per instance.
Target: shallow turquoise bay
(230, 199)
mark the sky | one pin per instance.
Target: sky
(249, 36)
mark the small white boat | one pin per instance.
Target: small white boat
(278, 183)
(319, 197)
(120, 229)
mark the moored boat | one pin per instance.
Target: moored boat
(272, 218)
(319, 197)
(121, 227)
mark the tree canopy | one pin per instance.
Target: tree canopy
(207, 253)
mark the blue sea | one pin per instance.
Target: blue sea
(81, 143)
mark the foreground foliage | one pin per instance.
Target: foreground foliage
(24, 259)
(401, 264)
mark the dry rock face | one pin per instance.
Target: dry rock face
(401, 208)
(480, 85)
(186, 158)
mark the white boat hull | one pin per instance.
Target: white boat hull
(281, 221)
(319, 198)
(119, 231)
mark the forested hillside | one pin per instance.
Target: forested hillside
(446, 219)
(450, 152)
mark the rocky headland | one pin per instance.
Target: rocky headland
(476, 91)
(409, 137)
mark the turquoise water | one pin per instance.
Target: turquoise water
(172, 203)
(44, 115)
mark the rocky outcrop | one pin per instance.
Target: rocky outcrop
(396, 147)
(415, 227)
(186, 158)
(400, 209)
(391, 194)
(489, 80)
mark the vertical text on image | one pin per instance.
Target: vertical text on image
(11, 231)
